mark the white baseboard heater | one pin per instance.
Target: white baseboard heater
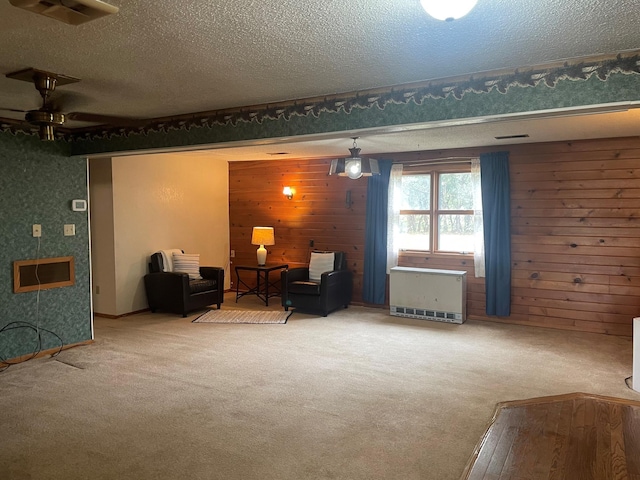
(428, 294)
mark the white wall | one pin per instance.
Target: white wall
(102, 241)
(165, 201)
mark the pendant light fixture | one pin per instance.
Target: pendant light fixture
(354, 166)
(448, 10)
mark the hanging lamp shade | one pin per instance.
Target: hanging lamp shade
(354, 166)
(448, 10)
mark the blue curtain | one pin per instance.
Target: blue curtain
(496, 211)
(375, 247)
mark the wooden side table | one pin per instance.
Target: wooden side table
(261, 290)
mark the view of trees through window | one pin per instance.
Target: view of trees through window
(437, 208)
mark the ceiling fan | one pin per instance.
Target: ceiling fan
(48, 116)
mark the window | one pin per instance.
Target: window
(436, 212)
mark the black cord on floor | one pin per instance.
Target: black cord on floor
(4, 363)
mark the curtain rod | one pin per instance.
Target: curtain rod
(434, 161)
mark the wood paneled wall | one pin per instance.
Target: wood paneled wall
(575, 228)
(318, 212)
(575, 236)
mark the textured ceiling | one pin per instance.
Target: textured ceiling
(164, 57)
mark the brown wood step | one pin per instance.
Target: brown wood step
(576, 436)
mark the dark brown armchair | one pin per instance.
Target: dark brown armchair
(175, 292)
(328, 293)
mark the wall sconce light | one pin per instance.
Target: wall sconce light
(287, 192)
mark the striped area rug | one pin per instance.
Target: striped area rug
(242, 316)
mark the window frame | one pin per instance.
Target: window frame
(435, 171)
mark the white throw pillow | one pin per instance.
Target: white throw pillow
(187, 263)
(167, 259)
(320, 263)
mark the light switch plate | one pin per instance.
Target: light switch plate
(69, 229)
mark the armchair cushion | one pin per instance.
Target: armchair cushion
(188, 263)
(202, 285)
(304, 288)
(320, 262)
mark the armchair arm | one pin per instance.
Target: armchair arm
(336, 288)
(166, 288)
(336, 278)
(169, 279)
(213, 273)
(300, 274)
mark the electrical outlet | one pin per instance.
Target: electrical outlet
(69, 229)
(97, 289)
(233, 253)
(311, 243)
(37, 230)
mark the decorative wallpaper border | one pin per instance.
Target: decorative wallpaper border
(347, 111)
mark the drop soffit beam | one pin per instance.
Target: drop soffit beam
(72, 12)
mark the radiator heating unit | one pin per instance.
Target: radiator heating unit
(428, 294)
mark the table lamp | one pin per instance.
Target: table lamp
(262, 236)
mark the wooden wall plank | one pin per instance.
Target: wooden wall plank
(317, 212)
(575, 228)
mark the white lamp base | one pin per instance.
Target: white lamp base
(262, 255)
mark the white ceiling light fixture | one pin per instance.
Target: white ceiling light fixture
(354, 166)
(448, 10)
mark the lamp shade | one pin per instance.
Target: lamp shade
(263, 236)
(354, 167)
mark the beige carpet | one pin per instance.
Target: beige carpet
(242, 316)
(356, 395)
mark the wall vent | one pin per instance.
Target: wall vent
(72, 12)
(424, 314)
(43, 273)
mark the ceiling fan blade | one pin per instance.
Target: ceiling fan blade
(61, 101)
(13, 110)
(105, 119)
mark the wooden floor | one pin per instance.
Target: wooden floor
(575, 436)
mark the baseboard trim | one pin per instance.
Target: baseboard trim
(113, 317)
(49, 351)
(384, 306)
